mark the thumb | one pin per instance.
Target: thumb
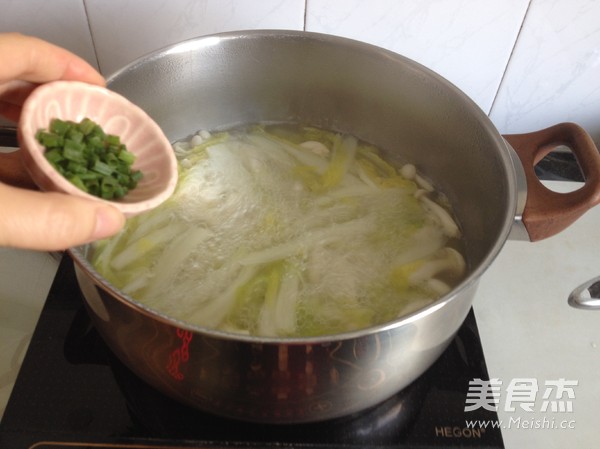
(50, 221)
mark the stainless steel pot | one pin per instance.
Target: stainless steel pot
(381, 97)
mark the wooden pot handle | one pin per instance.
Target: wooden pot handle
(13, 172)
(546, 212)
(12, 169)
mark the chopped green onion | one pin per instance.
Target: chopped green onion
(86, 126)
(50, 140)
(59, 127)
(95, 162)
(54, 155)
(77, 181)
(74, 135)
(113, 140)
(126, 157)
(102, 168)
(73, 151)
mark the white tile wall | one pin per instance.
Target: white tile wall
(468, 42)
(62, 22)
(554, 72)
(527, 63)
(125, 30)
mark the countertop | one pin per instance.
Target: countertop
(543, 353)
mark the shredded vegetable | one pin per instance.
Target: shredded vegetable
(288, 231)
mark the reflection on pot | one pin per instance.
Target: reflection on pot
(293, 382)
(386, 423)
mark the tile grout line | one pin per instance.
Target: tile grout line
(510, 58)
(87, 18)
(305, 12)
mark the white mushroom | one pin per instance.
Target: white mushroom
(205, 134)
(317, 148)
(196, 140)
(181, 148)
(423, 183)
(450, 262)
(408, 171)
(440, 287)
(443, 216)
(413, 306)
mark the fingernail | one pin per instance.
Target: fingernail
(109, 221)
(80, 70)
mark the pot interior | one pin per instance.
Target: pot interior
(380, 97)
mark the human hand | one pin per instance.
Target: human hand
(32, 219)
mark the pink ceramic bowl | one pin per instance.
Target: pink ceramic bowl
(71, 100)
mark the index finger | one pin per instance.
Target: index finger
(31, 59)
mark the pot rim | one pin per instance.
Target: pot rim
(78, 254)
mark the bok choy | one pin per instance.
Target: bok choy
(287, 231)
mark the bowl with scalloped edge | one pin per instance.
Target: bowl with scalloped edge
(74, 101)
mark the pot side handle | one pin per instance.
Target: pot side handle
(12, 169)
(546, 212)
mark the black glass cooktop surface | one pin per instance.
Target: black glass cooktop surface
(72, 392)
